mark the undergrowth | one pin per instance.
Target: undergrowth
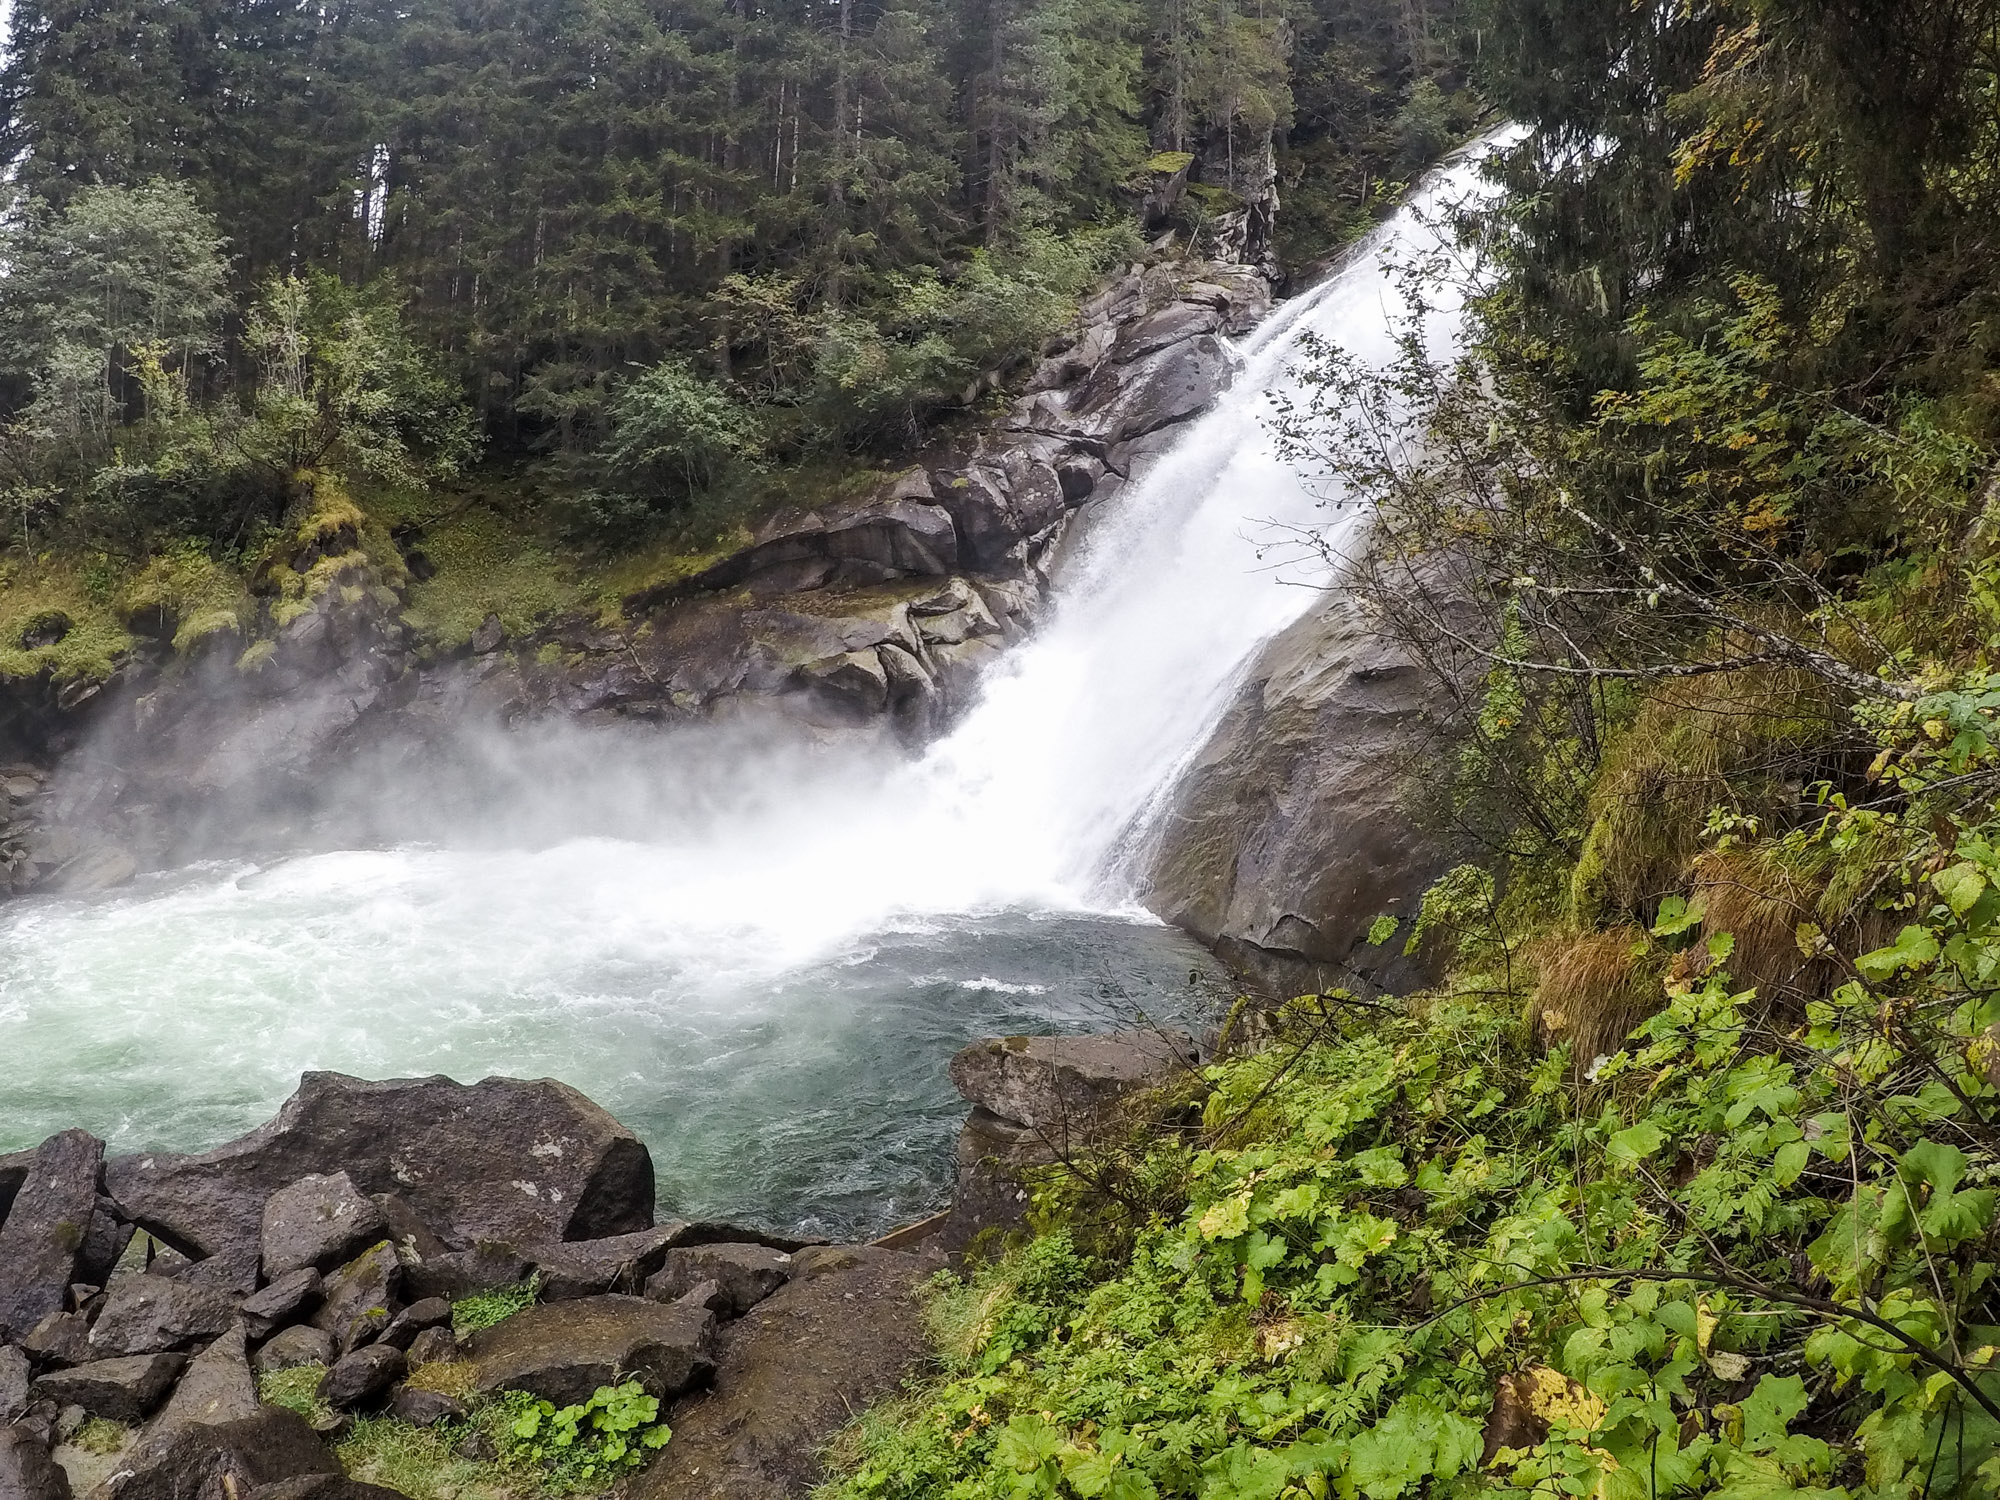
(1414, 1249)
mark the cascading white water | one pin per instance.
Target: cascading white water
(766, 987)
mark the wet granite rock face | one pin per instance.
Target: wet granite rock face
(503, 1160)
(843, 1333)
(563, 1351)
(1292, 830)
(46, 1227)
(1035, 1100)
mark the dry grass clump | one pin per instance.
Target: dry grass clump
(1592, 990)
(1744, 741)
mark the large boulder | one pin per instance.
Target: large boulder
(155, 1314)
(317, 1223)
(203, 1462)
(502, 1159)
(47, 1225)
(843, 1334)
(898, 534)
(124, 1390)
(27, 1472)
(1067, 1088)
(1035, 1101)
(563, 1351)
(1292, 830)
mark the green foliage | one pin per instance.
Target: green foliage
(295, 1389)
(1751, 1259)
(101, 1435)
(615, 1431)
(484, 1309)
(567, 194)
(341, 384)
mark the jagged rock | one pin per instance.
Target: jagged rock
(60, 1339)
(104, 1245)
(464, 1273)
(298, 1345)
(14, 1168)
(282, 1302)
(720, 1232)
(46, 1226)
(419, 1317)
(358, 1300)
(124, 1390)
(424, 1408)
(706, 1295)
(898, 535)
(1035, 1100)
(1067, 1088)
(589, 1268)
(842, 1335)
(502, 1159)
(852, 687)
(745, 1274)
(199, 1462)
(14, 1377)
(433, 1346)
(489, 637)
(318, 1222)
(155, 1314)
(1170, 325)
(1121, 402)
(563, 1351)
(27, 1472)
(1291, 831)
(414, 1240)
(231, 1273)
(216, 1387)
(359, 1378)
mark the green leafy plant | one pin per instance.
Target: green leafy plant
(615, 1431)
(484, 1309)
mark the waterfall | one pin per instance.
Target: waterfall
(1087, 726)
(766, 976)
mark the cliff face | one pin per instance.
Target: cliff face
(876, 615)
(1293, 831)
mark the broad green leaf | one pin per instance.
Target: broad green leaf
(1961, 886)
(1914, 947)
(1636, 1142)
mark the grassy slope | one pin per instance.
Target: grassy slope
(1398, 1218)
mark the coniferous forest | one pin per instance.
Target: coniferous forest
(518, 230)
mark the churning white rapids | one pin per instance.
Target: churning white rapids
(766, 972)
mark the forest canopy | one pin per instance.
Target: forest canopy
(832, 216)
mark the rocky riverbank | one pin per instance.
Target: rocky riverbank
(218, 1324)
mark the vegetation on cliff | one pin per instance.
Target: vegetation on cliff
(571, 293)
(1682, 1181)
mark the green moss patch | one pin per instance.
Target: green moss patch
(75, 597)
